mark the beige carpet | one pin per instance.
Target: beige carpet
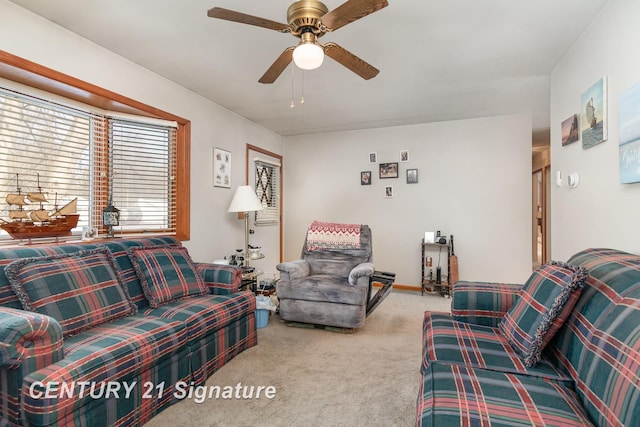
(368, 378)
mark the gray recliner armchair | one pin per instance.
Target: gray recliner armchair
(331, 284)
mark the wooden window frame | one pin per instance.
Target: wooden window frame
(29, 73)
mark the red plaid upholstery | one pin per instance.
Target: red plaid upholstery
(79, 290)
(449, 341)
(116, 351)
(544, 303)
(455, 395)
(167, 274)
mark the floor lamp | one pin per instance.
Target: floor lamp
(245, 200)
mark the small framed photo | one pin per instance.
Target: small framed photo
(404, 155)
(388, 170)
(221, 168)
(570, 130)
(388, 192)
(373, 158)
(412, 176)
(365, 178)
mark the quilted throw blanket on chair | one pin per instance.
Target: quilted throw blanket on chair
(333, 236)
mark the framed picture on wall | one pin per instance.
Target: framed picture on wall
(388, 170)
(388, 192)
(365, 178)
(373, 158)
(404, 155)
(412, 176)
(629, 134)
(570, 130)
(593, 121)
(221, 168)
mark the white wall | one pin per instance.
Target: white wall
(474, 183)
(214, 232)
(601, 212)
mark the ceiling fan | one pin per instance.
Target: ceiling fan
(310, 20)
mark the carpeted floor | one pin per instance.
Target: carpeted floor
(322, 378)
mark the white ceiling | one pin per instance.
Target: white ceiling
(438, 60)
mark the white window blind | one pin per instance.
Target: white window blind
(46, 143)
(83, 154)
(267, 178)
(143, 164)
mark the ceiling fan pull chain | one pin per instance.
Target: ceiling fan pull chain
(292, 106)
(302, 87)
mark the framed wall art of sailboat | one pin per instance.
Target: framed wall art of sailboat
(593, 120)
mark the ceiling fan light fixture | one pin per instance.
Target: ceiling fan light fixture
(308, 55)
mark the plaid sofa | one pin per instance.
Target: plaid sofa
(50, 380)
(589, 373)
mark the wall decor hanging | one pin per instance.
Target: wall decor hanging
(373, 158)
(570, 130)
(388, 170)
(221, 168)
(404, 155)
(593, 121)
(412, 176)
(629, 134)
(365, 178)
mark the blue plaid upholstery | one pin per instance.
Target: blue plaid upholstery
(456, 395)
(595, 354)
(221, 279)
(482, 303)
(544, 303)
(208, 318)
(117, 351)
(166, 274)
(79, 290)
(449, 341)
(174, 344)
(599, 346)
(28, 341)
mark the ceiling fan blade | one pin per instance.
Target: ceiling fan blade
(230, 15)
(349, 60)
(350, 11)
(278, 67)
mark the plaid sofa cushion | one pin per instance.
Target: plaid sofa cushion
(446, 340)
(544, 303)
(455, 395)
(116, 352)
(221, 279)
(482, 303)
(167, 273)
(599, 344)
(79, 290)
(208, 313)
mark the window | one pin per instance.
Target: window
(267, 191)
(143, 168)
(69, 152)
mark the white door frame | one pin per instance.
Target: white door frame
(250, 147)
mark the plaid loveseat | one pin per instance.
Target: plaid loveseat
(589, 373)
(124, 371)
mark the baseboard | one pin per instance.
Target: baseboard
(401, 287)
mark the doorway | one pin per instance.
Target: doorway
(540, 203)
(264, 174)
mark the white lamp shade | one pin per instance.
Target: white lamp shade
(308, 56)
(245, 200)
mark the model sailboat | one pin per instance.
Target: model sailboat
(30, 219)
